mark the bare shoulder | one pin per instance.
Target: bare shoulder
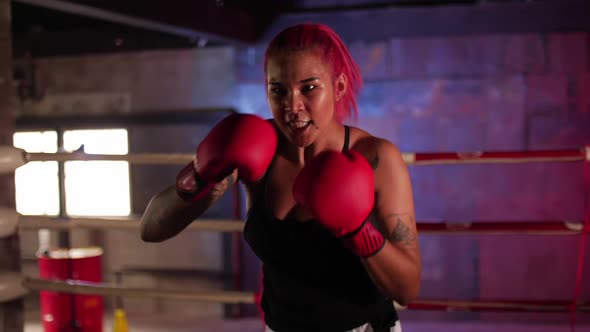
(377, 150)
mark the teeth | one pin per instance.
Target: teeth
(299, 124)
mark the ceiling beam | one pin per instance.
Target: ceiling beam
(191, 19)
(481, 18)
(97, 41)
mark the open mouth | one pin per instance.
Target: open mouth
(299, 125)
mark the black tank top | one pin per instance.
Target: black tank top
(311, 282)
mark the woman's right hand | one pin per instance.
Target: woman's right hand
(244, 142)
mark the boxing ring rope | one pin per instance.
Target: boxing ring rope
(134, 158)
(11, 158)
(233, 297)
(498, 305)
(32, 223)
(409, 158)
(496, 157)
(90, 288)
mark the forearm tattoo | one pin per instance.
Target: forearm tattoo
(403, 234)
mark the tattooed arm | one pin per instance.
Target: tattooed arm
(396, 268)
(167, 214)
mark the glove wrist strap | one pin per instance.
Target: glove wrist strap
(190, 187)
(366, 241)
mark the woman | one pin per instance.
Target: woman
(338, 243)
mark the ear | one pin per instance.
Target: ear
(340, 86)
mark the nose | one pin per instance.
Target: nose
(294, 102)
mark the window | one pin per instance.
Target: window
(92, 188)
(37, 182)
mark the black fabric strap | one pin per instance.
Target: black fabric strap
(346, 138)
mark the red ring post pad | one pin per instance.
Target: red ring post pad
(501, 156)
(513, 227)
(497, 305)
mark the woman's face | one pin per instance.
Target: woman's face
(301, 94)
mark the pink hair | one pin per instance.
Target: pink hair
(307, 36)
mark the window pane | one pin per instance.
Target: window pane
(37, 183)
(99, 141)
(97, 188)
(36, 141)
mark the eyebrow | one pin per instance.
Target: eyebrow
(307, 80)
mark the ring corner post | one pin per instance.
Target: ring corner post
(12, 311)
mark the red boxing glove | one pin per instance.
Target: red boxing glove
(240, 141)
(338, 189)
